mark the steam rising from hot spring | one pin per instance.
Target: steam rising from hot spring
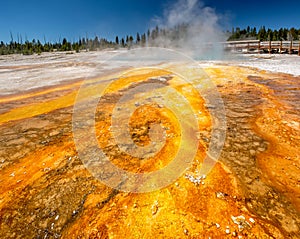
(192, 27)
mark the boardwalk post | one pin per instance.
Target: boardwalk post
(270, 46)
(280, 46)
(299, 47)
(291, 47)
(259, 47)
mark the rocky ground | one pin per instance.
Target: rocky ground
(253, 191)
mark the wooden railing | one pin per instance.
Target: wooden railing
(250, 46)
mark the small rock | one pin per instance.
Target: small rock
(185, 231)
(154, 208)
(256, 143)
(251, 220)
(260, 149)
(241, 222)
(74, 213)
(220, 195)
(238, 220)
(252, 152)
(56, 218)
(247, 223)
(51, 214)
(12, 174)
(227, 230)
(217, 225)
(54, 133)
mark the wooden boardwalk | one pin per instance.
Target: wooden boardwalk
(256, 46)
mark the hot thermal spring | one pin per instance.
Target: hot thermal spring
(253, 191)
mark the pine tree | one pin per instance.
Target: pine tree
(253, 32)
(130, 41)
(148, 36)
(143, 40)
(138, 38)
(248, 30)
(262, 34)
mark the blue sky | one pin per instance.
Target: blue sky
(71, 19)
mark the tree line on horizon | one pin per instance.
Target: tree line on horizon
(82, 44)
(263, 34)
(140, 40)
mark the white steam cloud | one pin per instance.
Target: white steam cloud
(196, 29)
